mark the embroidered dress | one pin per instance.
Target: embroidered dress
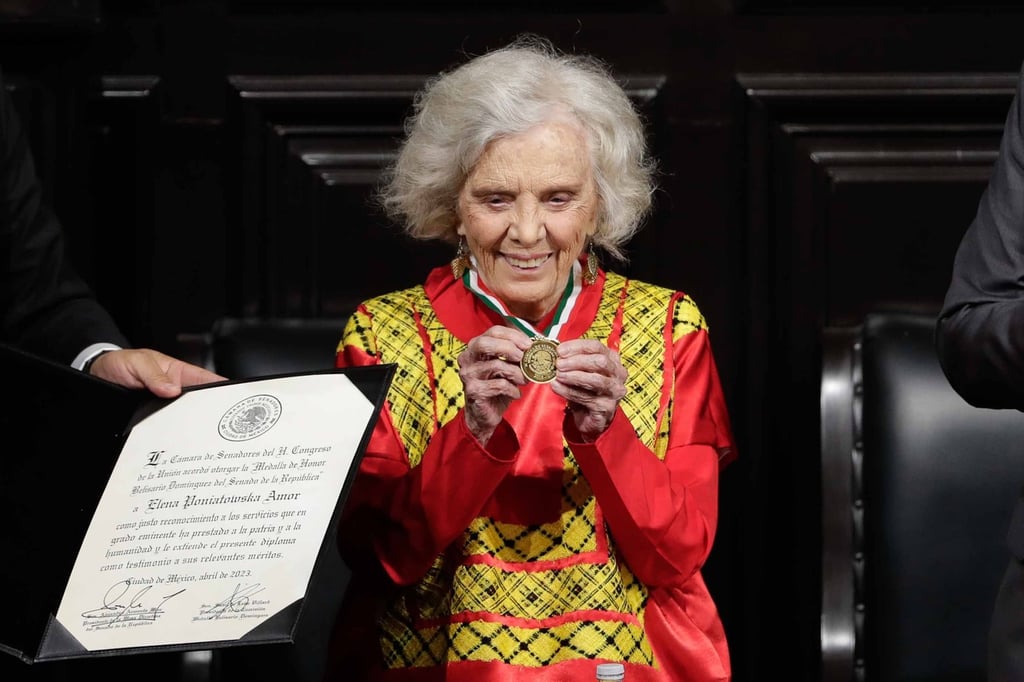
(538, 556)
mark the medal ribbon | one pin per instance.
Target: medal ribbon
(573, 287)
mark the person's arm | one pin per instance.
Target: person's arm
(45, 307)
(663, 513)
(407, 515)
(83, 361)
(980, 330)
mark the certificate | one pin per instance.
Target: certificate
(215, 512)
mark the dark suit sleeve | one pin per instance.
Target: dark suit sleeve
(980, 331)
(45, 307)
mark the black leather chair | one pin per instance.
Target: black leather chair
(917, 492)
(240, 348)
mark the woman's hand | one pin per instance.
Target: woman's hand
(489, 368)
(146, 368)
(591, 377)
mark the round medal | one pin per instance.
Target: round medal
(538, 363)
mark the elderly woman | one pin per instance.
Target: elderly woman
(540, 491)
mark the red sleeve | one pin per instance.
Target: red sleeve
(663, 513)
(407, 515)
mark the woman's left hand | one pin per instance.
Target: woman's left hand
(591, 377)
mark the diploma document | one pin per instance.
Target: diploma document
(215, 513)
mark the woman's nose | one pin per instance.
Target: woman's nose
(528, 226)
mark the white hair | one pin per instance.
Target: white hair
(507, 92)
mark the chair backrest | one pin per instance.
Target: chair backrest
(240, 348)
(917, 492)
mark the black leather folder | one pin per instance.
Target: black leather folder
(62, 432)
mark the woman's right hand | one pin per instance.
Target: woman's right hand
(489, 369)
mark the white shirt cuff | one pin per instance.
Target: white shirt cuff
(83, 358)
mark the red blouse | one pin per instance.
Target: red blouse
(660, 510)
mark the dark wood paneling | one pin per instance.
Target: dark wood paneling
(859, 189)
(461, 6)
(849, 178)
(48, 15)
(860, 6)
(356, 253)
(288, 131)
(309, 238)
(891, 229)
(109, 207)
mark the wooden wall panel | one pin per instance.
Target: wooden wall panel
(849, 178)
(858, 6)
(310, 240)
(459, 6)
(110, 208)
(301, 139)
(859, 189)
(357, 252)
(891, 230)
(837, 162)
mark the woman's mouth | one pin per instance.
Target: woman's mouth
(526, 263)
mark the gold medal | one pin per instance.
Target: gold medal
(538, 363)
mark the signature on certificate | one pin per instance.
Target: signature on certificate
(120, 606)
(235, 602)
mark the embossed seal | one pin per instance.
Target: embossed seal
(250, 418)
(538, 363)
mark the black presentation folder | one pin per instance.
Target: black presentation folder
(62, 433)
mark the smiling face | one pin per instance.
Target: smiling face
(526, 210)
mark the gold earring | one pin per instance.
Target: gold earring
(461, 261)
(590, 271)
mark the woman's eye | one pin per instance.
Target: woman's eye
(559, 199)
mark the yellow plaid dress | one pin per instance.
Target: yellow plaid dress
(507, 593)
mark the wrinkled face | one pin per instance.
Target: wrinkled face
(526, 210)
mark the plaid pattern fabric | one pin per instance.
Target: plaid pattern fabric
(416, 629)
